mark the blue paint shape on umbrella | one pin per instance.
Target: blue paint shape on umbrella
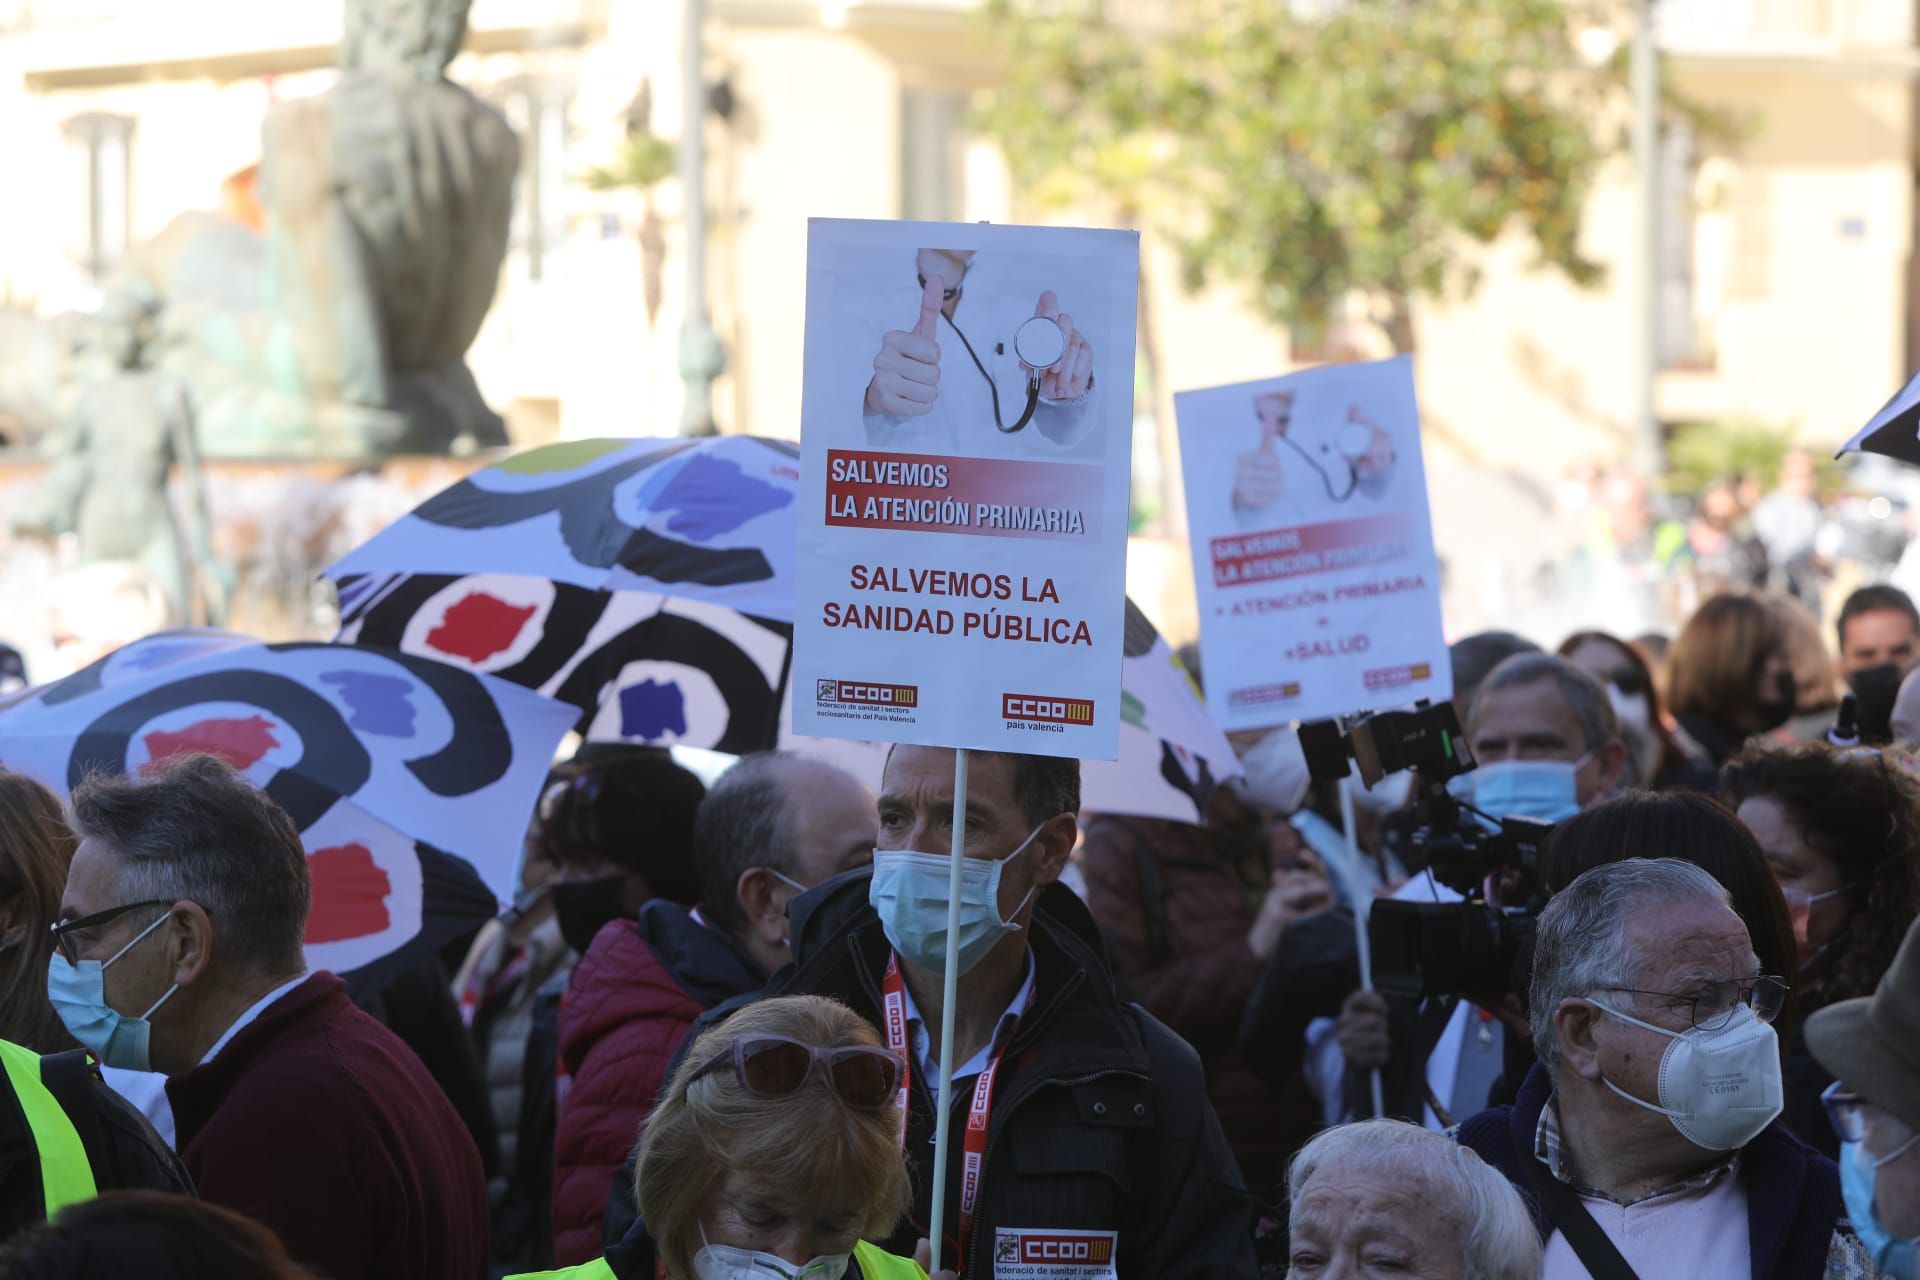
(378, 704)
(164, 650)
(651, 710)
(710, 496)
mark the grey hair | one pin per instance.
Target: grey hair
(1498, 1240)
(195, 831)
(742, 823)
(1585, 696)
(1580, 946)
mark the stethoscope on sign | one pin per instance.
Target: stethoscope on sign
(1039, 343)
(1353, 443)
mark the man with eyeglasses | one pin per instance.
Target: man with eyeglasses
(180, 950)
(1648, 1139)
(1873, 1046)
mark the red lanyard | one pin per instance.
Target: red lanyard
(973, 1143)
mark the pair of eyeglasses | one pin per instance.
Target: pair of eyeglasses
(1713, 1009)
(64, 930)
(864, 1077)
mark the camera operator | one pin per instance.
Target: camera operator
(1548, 744)
(1649, 1136)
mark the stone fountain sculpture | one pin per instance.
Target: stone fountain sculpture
(343, 330)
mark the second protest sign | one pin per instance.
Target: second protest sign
(1313, 552)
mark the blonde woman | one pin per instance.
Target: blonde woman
(775, 1152)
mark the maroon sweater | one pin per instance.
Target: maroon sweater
(317, 1121)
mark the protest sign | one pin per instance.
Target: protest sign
(1313, 549)
(966, 445)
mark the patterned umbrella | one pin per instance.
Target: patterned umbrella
(649, 583)
(389, 764)
(1895, 430)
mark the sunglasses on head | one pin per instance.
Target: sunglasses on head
(864, 1077)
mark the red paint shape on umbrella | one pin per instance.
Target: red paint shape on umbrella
(241, 743)
(479, 626)
(349, 894)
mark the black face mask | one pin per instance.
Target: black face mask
(1875, 690)
(1777, 710)
(581, 907)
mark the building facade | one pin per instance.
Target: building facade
(1787, 264)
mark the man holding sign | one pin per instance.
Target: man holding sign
(1012, 366)
(1084, 1147)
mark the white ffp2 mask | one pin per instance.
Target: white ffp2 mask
(1719, 1088)
(724, 1262)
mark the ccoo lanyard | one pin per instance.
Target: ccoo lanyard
(973, 1142)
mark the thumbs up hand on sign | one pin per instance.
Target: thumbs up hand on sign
(1072, 375)
(906, 372)
(1258, 477)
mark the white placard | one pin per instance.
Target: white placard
(963, 518)
(1313, 553)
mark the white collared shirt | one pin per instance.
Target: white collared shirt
(923, 1043)
(259, 1007)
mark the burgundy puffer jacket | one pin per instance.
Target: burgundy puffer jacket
(632, 999)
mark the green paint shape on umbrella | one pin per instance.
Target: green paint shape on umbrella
(560, 457)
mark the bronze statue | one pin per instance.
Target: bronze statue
(110, 463)
(388, 203)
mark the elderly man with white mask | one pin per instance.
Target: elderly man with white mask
(1648, 1136)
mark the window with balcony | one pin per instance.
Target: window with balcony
(102, 147)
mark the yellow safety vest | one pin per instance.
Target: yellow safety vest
(875, 1264)
(66, 1176)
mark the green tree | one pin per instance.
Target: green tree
(1317, 153)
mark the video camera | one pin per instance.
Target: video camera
(1441, 948)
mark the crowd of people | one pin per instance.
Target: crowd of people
(1669, 1025)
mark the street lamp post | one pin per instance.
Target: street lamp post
(702, 358)
(1644, 76)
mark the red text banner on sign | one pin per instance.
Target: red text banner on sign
(1316, 548)
(1058, 501)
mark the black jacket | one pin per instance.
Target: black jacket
(122, 1148)
(1100, 1116)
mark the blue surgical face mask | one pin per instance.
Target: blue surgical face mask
(1545, 790)
(79, 995)
(909, 890)
(1896, 1257)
